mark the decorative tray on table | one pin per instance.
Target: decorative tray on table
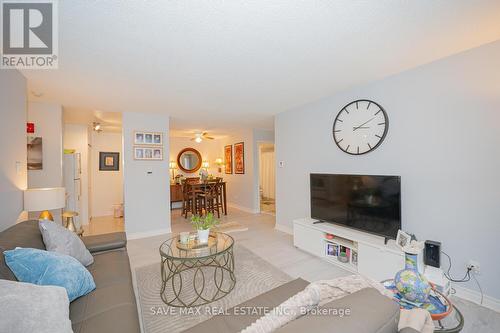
(438, 305)
(194, 245)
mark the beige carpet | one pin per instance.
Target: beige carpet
(254, 276)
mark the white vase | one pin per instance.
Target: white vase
(203, 235)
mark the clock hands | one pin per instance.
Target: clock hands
(363, 124)
(364, 127)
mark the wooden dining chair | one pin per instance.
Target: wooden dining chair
(209, 199)
(220, 193)
(189, 199)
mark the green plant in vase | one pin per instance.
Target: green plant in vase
(203, 224)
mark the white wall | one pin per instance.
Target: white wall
(76, 137)
(209, 150)
(443, 141)
(48, 125)
(13, 173)
(241, 187)
(107, 186)
(146, 183)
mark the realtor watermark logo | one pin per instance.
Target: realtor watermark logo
(29, 34)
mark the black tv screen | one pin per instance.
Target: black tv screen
(362, 202)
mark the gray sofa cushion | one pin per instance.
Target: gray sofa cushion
(61, 240)
(112, 306)
(26, 307)
(370, 312)
(24, 234)
(105, 242)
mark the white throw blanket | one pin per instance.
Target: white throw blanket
(418, 319)
(316, 293)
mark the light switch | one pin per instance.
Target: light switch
(19, 168)
(281, 164)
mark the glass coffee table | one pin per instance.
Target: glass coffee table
(195, 274)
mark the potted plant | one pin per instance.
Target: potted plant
(202, 224)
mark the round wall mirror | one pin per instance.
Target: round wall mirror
(189, 160)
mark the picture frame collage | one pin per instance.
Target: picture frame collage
(148, 146)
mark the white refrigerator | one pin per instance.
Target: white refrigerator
(72, 182)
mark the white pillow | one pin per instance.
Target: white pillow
(61, 240)
(26, 307)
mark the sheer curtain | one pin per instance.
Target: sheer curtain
(267, 174)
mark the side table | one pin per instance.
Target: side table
(69, 223)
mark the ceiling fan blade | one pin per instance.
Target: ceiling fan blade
(208, 137)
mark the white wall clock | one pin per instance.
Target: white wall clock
(360, 127)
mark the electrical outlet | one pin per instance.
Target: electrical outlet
(474, 266)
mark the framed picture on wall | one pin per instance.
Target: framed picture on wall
(35, 153)
(148, 153)
(239, 158)
(148, 138)
(109, 161)
(228, 159)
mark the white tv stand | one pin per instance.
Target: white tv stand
(375, 259)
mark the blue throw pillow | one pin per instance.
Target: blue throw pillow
(46, 268)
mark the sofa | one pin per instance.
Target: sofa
(111, 307)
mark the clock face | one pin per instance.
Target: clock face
(360, 127)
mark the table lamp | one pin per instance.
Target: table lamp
(219, 163)
(44, 199)
(172, 166)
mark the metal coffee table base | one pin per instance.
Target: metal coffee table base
(216, 271)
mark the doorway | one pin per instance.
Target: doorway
(267, 178)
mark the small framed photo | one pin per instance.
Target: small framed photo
(148, 138)
(109, 161)
(138, 153)
(157, 154)
(139, 138)
(157, 138)
(403, 239)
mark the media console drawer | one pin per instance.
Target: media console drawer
(308, 239)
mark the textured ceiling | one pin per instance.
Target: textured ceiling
(215, 64)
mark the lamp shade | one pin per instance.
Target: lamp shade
(40, 199)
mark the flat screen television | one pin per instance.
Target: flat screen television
(362, 202)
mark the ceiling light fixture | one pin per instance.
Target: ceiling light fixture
(198, 139)
(96, 127)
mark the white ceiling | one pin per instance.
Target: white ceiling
(109, 121)
(220, 64)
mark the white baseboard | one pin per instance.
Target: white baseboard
(283, 228)
(475, 297)
(245, 209)
(146, 234)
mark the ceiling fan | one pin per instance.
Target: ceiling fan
(198, 137)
